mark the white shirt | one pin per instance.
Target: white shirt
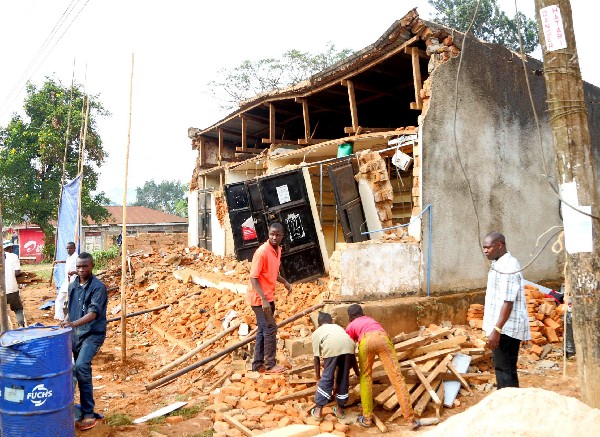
(11, 264)
(70, 266)
(501, 287)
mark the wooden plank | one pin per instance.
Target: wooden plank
(237, 425)
(303, 142)
(456, 341)
(392, 402)
(170, 338)
(250, 150)
(220, 152)
(440, 393)
(307, 392)
(424, 401)
(271, 122)
(301, 369)
(379, 423)
(220, 381)
(306, 118)
(418, 84)
(456, 373)
(429, 391)
(439, 369)
(382, 397)
(436, 354)
(306, 381)
(412, 343)
(353, 108)
(244, 134)
(403, 337)
(276, 141)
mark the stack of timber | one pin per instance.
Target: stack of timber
(426, 360)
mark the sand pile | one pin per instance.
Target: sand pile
(523, 412)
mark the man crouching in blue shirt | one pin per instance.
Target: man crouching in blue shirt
(87, 318)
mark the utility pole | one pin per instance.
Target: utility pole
(571, 136)
(3, 304)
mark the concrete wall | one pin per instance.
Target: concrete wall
(498, 147)
(371, 269)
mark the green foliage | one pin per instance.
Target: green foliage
(32, 150)
(118, 419)
(188, 413)
(102, 257)
(166, 196)
(254, 77)
(206, 433)
(491, 24)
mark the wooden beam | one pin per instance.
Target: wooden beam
(422, 53)
(271, 122)
(276, 141)
(244, 133)
(353, 108)
(249, 150)
(220, 154)
(306, 120)
(416, 67)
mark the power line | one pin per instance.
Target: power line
(32, 68)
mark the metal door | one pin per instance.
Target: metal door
(204, 218)
(348, 201)
(279, 198)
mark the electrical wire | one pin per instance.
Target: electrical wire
(462, 51)
(14, 91)
(537, 121)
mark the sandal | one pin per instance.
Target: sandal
(361, 422)
(339, 416)
(88, 423)
(317, 418)
(276, 370)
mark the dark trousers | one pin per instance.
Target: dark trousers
(329, 380)
(505, 362)
(266, 339)
(83, 353)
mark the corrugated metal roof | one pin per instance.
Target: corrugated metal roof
(140, 215)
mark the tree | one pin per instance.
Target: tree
(165, 196)
(31, 156)
(255, 77)
(491, 24)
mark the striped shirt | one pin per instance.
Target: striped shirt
(501, 287)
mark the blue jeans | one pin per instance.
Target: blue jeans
(266, 339)
(83, 353)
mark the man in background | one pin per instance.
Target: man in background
(505, 318)
(69, 276)
(12, 269)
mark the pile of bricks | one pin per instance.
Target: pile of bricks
(545, 317)
(475, 316)
(372, 168)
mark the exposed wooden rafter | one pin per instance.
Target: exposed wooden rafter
(416, 67)
(352, 100)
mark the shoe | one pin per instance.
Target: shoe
(314, 416)
(335, 412)
(88, 423)
(362, 421)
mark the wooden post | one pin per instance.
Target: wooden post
(572, 143)
(416, 68)
(221, 141)
(124, 228)
(244, 133)
(3, 304)
(271, 123)
(352, 99)
(306, 120)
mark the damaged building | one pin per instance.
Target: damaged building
(388, 168)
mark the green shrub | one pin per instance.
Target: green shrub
(118, 419)
(102, 257)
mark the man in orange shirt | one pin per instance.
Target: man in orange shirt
(264, 274)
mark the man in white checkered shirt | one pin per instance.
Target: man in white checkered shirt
(505, 319)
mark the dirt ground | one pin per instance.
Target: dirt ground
(120, 387)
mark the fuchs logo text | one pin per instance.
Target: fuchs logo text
(39, 395)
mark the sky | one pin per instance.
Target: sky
(179, 47)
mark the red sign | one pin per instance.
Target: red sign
(31, 243)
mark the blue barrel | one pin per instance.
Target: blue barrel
(36, 382)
